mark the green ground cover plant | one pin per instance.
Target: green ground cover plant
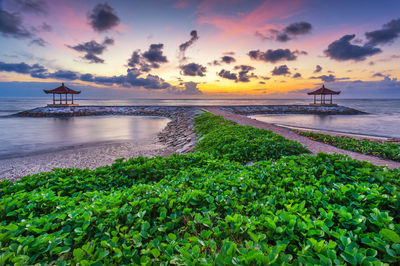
(201, 209)
(384, 150)
(225, 139)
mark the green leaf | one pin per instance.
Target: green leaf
(172, 236)
(391, 235)
(103, 254)
(12, 227)
(78, 230)
(156, 253)
(253, 237)
(349, 258)
(78, 254)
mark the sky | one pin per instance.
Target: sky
(200, 48)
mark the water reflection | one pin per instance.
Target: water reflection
(27, 135)
(375, 125)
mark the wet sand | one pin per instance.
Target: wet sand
(83, 156)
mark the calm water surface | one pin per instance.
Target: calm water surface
(383, 119)
(25, 135)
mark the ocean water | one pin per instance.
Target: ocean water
(22, 135)
(382, 120)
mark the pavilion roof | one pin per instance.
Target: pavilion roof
(62, 90)
(324, 91)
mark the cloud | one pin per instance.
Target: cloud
(297, 75)
(298, 28)
(281, 70)
(92, 49)
(189, 89)
(318, 69)
(288, 33)
(135, 59)
(379, 75)
(226, 74)
(328, 78)
(184, 46)
(325, 78)
(131, 79)
(227, 59)
(40, 42)
(274, 56)
(87, 77)
(32, 6)
(11, 26)
(44, 27)
(155, 55)
(103, 17)
(389, 32)
(385, 88)
(93, 58)
(242, 75)
(193, 69)
(149, 59)
(35, 70)
(342, 50)
(152, 82)
(64, 74)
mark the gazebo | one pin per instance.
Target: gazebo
(323, 92)
(62, 90)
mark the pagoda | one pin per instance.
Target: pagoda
(62, 102)
(323, 92)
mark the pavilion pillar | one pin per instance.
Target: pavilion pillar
(321, 100)
(331, 98)
(315, 99)
(60, 99)
(72, 95)
(54, 99)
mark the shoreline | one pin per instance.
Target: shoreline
(177, 136)
(338, 133)
(68, 148)
(80, 157)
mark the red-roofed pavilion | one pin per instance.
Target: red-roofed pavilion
(62, 90)
(323, 92)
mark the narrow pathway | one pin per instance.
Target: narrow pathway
(314, 146)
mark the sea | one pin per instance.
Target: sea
(24, 136)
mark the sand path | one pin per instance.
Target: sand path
(314, 146)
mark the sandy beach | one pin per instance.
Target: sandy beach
(84, 156)
(177, 136)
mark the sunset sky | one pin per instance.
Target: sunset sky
(200, 49)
